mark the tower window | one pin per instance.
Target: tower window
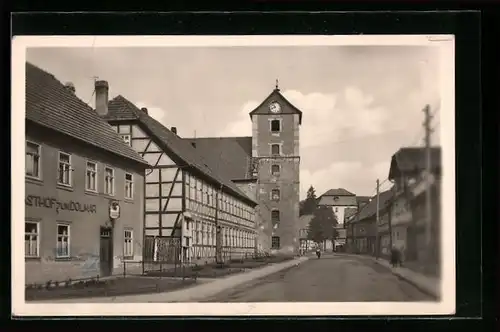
(275, 149)
(275, 170)
(275, 216)
(275, 242)
(275, 125)
(275, 194)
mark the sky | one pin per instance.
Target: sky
(360, 104)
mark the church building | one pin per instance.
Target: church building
(266, 167)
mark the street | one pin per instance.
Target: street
(329, 279)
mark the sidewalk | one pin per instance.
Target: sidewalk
(427, 284)
(195, 293)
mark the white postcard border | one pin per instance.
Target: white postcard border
(446, 116)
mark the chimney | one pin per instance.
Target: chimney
(174, 130)
(101, 97)
(70, 87)
(145, 110)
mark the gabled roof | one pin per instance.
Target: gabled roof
(169, 141)
(276, 95)
(227, 155)
(411, 160)
(338, 201)
(371, 208)
(338, 192)
(119, 108)
(349, 212)
(50, 104)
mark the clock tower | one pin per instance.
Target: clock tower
(276, 166)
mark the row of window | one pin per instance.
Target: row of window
(230, 238)
(205, 193)
(32, 239)
(65, 172)
(246, 220)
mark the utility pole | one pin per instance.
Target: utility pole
(428, 132)
(377, 241)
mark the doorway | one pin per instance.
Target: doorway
(106, 252)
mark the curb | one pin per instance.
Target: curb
(417, 285)
(435, 293)
(195, 293)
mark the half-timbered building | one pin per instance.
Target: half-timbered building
(192, 212)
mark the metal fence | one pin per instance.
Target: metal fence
(161, 253)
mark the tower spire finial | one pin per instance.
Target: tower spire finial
(277, 85)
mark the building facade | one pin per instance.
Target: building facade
(276, 165)
(408, 171)
(363, 225)
(193, 212)
(84, 187)
(342, 202)
(401, 218)
(364, 236)
(339, 200)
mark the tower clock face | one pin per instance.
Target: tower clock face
(275, 107)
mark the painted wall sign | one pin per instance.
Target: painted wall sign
(53, 203)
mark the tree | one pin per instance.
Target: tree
(322, 225)
(309, 205)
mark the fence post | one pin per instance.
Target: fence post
(124, 268)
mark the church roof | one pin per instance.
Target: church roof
(276, 95)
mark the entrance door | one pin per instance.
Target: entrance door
(106, 252)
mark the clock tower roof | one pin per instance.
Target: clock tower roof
(276, 96)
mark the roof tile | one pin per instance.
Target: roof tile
(338, 192)
(371, 208)
(227, 155)
(122, 109)
(410, 159)
(50, 104)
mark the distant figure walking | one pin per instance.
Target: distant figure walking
(395, 257)
(318, 253)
